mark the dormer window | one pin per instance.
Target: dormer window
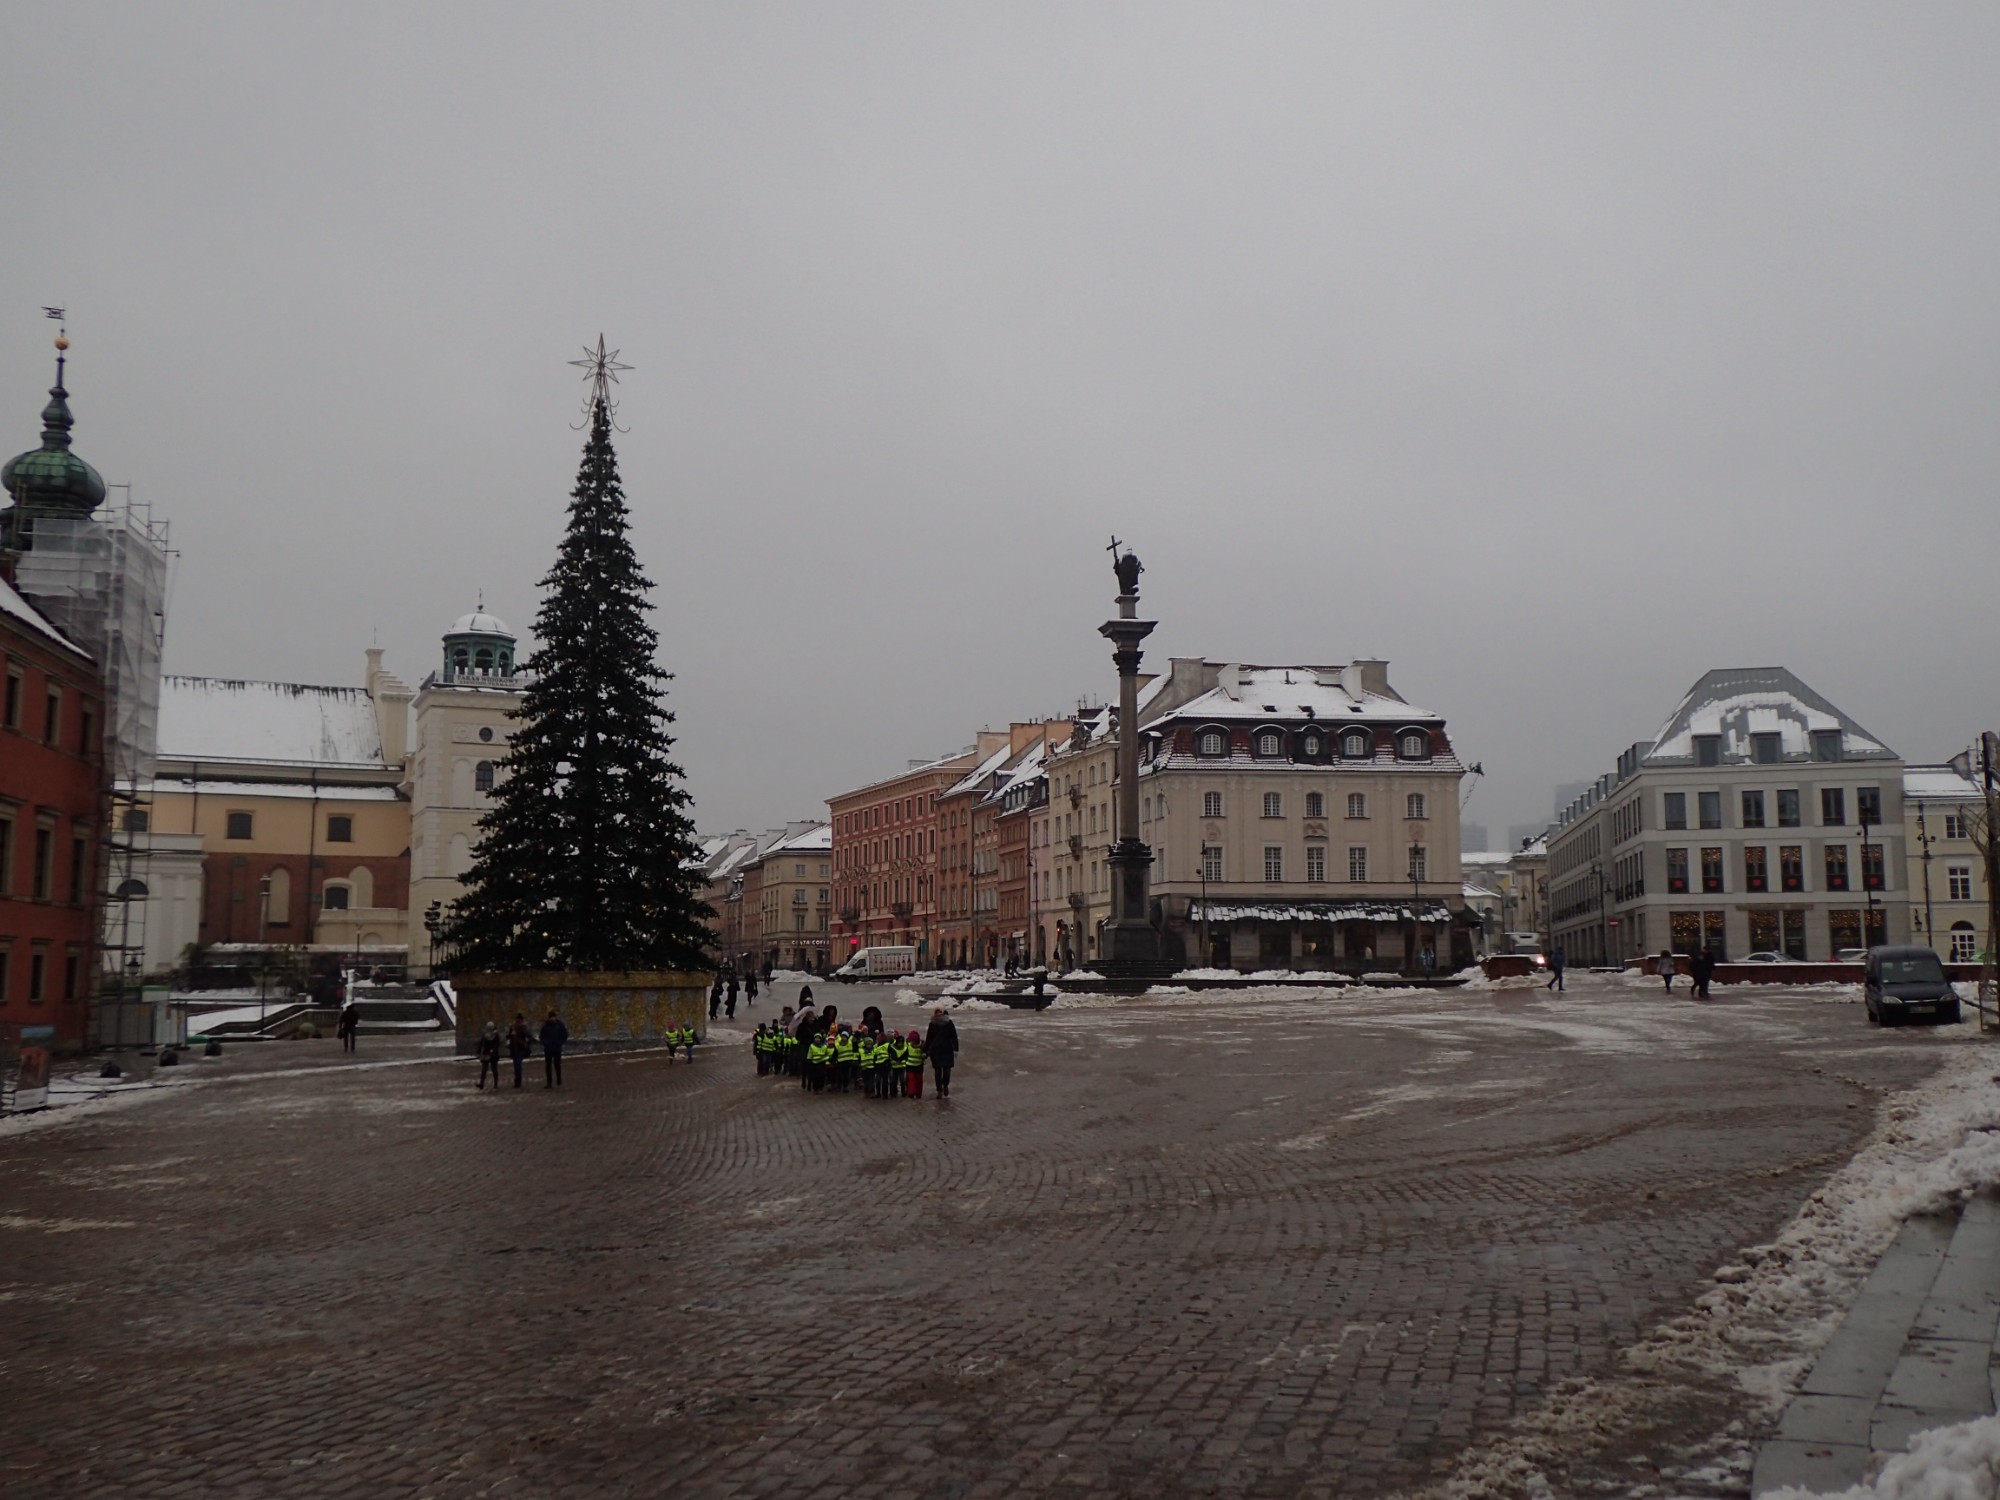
(1310, 746)
(1211, 742)
(1708, 749)
(1270, 743)
(1354, 746)
(1413, 744)
(1826, 744)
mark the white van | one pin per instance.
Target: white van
(877, 963)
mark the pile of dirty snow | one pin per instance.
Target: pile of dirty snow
(1946, 1463)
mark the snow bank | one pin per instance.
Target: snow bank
(1769, 1313)
(1946, 1463)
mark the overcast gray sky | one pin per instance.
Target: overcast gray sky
(1556, 353)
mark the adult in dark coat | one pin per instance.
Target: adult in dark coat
(348, 1026)
(520, 1042)
(941, 1047)
(554, 1036)
(729, 1000)
(715, 996)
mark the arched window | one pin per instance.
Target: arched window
(1354, 745)
(1414, 744)
(132, 890)
(1964, 943)
(483, 660)
(334, 897)
(1310, 746)
(482, 776)
(460, 658)
(1211, 742)
(506, 663)
(1270, 742)
(1414, 805)
(1315, 805)
(1357, 805)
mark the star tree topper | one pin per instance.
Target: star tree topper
(600, 372)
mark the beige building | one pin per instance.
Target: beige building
(1071, 840)
(463, 729)
(795, 900)
(1305, 817)
(1944, 816)
(1760, 818)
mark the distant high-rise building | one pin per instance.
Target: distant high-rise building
(1566, 793)
(1471, 838)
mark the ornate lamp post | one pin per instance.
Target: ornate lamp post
(1131, 944)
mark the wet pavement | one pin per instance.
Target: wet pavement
(1194, 1245)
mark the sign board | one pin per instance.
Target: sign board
(1614, 922)
(31, 1084)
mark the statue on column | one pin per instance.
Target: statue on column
(1126, 566)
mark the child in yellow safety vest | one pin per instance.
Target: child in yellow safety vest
(819, 1060)
(881, 1055)
(913, 1065)
(760, 1048)
(843, 1060)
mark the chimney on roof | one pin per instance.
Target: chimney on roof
(1364, 676)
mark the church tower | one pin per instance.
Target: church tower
(462, 733)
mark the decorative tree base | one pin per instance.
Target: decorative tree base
(604, 1012)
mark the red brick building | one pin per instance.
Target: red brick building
(52, 801)
(885, 854)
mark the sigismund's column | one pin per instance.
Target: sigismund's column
(1130, 940)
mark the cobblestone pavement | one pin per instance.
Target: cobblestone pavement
(1261, 1245)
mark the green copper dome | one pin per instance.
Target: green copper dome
(51, 479)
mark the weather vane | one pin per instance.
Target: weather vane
(600, 371)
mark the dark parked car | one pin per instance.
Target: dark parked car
(1907, 983)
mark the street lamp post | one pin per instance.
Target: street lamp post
(263, 947)
(1868, 890)
(1207, 946)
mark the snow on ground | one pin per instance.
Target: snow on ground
(75, 1097)
(1946, 1463)
(1769, 1314)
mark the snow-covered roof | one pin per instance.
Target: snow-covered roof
(1485, 858)
(1316, 911)
(13, 605)
(479, 623)
(223, 720)
(817, 840)
(170, 786)
(1735, 703)
(1332, 694)
(1479, 893)
(973, 779)
(1939, 783)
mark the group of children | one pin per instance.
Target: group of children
(840, 1058)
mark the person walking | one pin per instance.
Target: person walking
(1666, 968)
(750, 987)
(554, 1035)
(715, 996)
(1557, 960)
(913, 1065)
(941, 1047)
(1701, 970)
(489, 1055)
(348, 1025)
(729, 1004)
(519, 1044)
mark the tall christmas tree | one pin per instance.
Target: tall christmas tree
(588, 859)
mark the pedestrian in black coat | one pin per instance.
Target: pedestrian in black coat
(715, 996)
(519, 1044)
(750, 987)
(489, 1055)
(941, 1047)
(729, 1004)
(348, 1026)
(554, 1035)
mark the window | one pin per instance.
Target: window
(486, 734)
(1357, 863)
(1310, 747)
(86, 738)
(1211, 862)
(1836, 870)
(45, 862)
(1315, 804)
(1708, 749)
(1354, 746)
(1316, 864)
(1675, 814)
(1357, 805)
(13, 719)
(1833, 806)
(1791, 867)
(1710, 804)
(1826, 746)
(137, 820)
(1413, 806)
(1960, 880)
(1795, 933)
(239, 825)
(1419, 862)
(1788, 809)
(1211, 742)
(482, 776)
(1868, 805)
(1843, 926)
(340, 829)
(1677, 872)
(1711, 871)
(1871, 866)
(1753, 809)
(1763, 929)
(1274, 805)
(1765, 748)
(334, 898)
(6, 859)
(70, 962)
(1270, 742)
(79, 865)
(52, 718)
(1964, 943)
(1416, 745)
(1755, 873)
(38, 968)
(1274, 863)
(1211, 804)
